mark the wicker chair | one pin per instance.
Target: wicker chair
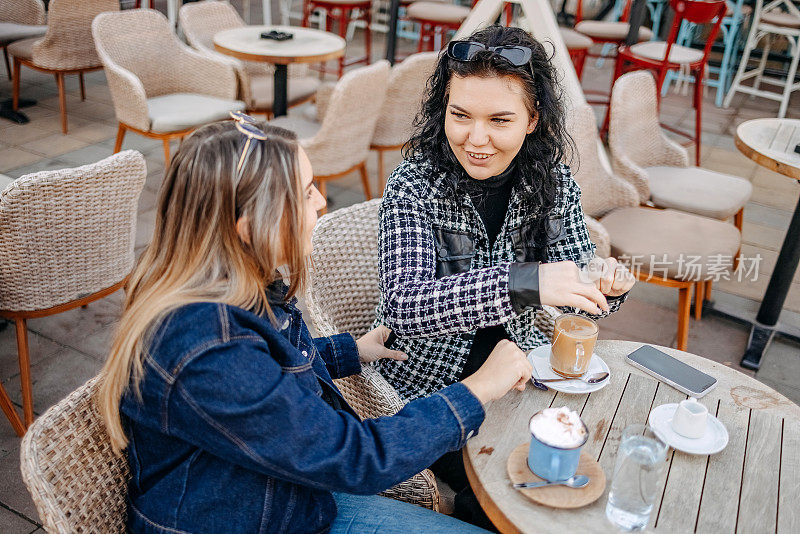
(161, 88)
(341, 297)
(403, 100)
(650, 241)
(66, 48)
(201, 20)
(66, 239)
(340, 143)
(20, 19)
(77, 482)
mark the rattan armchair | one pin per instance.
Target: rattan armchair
(160, 87)
(339, 144)
(66, 239)
(341, 297)
(20, 19)
(66, 48)
(403, 101)
(201, 20)
(77, 482)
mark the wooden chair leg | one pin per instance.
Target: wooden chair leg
(11, 412)
(738, 222)
(707, 291)
(24, 370)
(699, 298)
(365, 179)
(62, 101)
(684, 306)
(166, 152)
(83, 86)
(15, 84)
(381, 183)
(8, 65)
(120, 136)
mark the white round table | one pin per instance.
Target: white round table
(306, 46)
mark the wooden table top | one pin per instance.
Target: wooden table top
(306, 46)
(752, 486)
(770, 143)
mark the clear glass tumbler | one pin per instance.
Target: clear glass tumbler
(636, 479)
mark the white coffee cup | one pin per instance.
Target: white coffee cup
(690, 419)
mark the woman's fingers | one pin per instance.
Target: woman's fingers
(590, 292)
(394, 355)
(585, 304)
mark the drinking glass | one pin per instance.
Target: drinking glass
(637, 474)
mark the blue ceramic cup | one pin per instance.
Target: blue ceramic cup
(554, 463)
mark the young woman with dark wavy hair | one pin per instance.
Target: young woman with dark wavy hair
(481, 224)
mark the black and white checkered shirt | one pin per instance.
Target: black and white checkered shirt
(440, 282)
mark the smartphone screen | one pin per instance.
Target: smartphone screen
(676, 371)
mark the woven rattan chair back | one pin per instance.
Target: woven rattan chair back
(68, 43)
(403, 99)
(343, 289)
(68, 233)
(634, 135)
(344, 137)
(201, 20)
(77, 482)
(22, 11)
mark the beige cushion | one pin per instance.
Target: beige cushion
(610, 31)
(302, 126)
(700, 191)
(179, 111)
(10, 32)
(677, 54)
(299, 88)
(437, 12)
(777, 18)
(669, 242)
(574, 40)
(23, 49)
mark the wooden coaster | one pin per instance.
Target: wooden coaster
(557, 496)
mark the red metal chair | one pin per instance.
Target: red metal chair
(663, 56)
(346, 11)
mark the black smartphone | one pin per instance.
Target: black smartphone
(674, 372)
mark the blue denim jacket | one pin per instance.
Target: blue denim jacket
(232, 432)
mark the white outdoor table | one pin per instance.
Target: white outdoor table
(307, 46)
(770, 143)
(752, 486)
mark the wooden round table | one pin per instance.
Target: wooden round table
(771, 144)
(306, 46)
(753, 485)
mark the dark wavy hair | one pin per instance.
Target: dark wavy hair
(543, 149)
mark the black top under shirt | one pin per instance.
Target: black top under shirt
(490, 198)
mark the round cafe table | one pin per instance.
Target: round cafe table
(771, 143)
(752, 486)
(306, 46)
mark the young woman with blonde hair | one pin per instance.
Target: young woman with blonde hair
(225, 403)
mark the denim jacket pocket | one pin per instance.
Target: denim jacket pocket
(531, 245)
(454, 252)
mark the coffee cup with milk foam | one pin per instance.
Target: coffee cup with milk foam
(557, 436)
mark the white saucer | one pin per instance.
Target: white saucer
(540, 360)
(714, 440)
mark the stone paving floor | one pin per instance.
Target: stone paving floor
(68, 348)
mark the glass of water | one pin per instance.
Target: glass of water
(637, 476)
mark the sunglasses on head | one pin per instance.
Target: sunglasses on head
(467, 50)
(247, 126)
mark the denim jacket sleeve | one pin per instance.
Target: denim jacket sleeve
(235, 401)
(340, 354)
(417, 303)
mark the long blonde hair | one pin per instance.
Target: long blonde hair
(197, 254)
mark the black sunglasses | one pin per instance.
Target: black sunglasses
(467, 50)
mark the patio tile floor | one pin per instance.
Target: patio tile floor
(69, 348)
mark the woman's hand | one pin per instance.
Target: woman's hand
(609, 276)
(562, 283)
(505, 368)
(371, 346)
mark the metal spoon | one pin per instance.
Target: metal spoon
(577, 481)
(591, 379)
